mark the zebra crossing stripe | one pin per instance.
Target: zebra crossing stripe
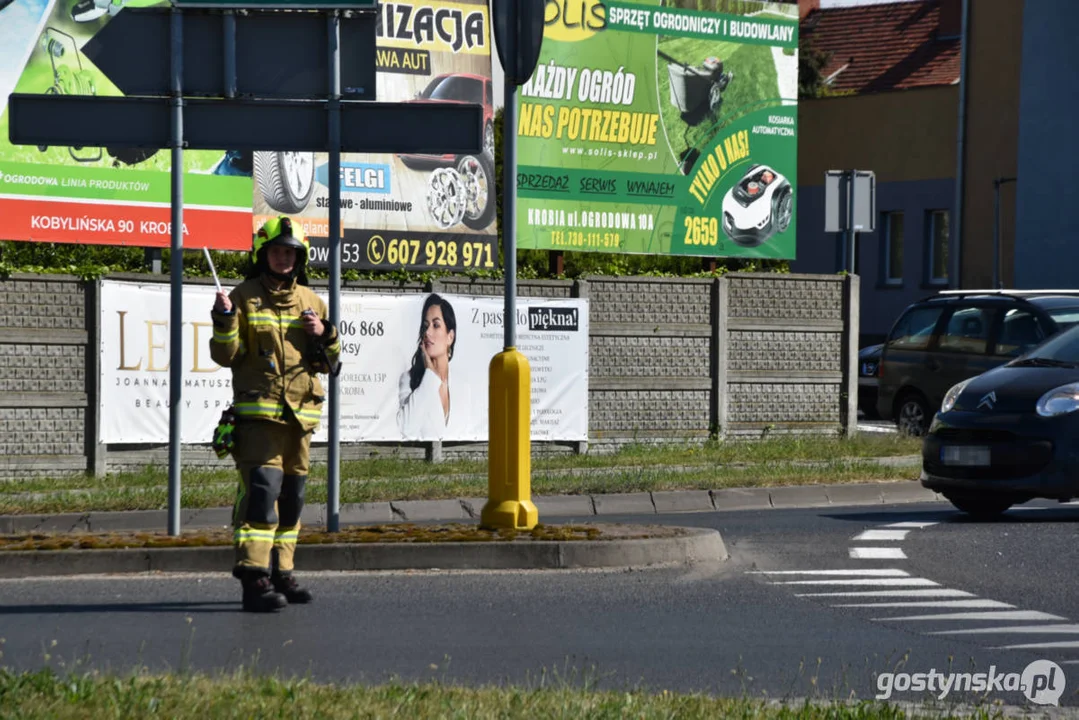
(989, 615)
(1062, 629)
(931, 592)
(882, 535)
(877, 553)
(978, 603)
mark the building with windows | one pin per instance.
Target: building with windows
(951, 103)
(892, 74)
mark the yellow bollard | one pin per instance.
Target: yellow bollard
(509, 461)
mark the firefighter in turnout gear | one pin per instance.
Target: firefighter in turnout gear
(272, 331)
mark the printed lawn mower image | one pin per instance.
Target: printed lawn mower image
(78, 80)
(760, 205)
(697, 92)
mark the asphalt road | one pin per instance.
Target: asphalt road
(777, 619)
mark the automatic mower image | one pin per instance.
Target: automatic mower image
(759, 206)
(697, 92)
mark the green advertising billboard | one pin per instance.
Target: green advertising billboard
(663, 127)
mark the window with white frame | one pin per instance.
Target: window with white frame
(937, 255)
(893, 248)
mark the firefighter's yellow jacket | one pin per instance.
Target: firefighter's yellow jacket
(264, 342)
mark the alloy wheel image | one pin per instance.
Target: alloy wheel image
(477, 176)
(446, 197)
(286, 179)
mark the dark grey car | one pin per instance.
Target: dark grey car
(954, 335)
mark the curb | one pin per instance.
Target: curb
(694, 546)
(911, 461)
(787, 497)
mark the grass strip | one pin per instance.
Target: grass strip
(396, 533)
(708, 454)
(239, 694)
(197, 493)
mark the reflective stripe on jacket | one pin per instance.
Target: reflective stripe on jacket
(264, 342)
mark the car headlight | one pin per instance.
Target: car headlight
(1059, 401)
(952, 395)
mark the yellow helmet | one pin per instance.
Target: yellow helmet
(281, 231)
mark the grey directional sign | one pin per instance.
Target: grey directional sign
(244, 124)
(850, 200)
(262, 69)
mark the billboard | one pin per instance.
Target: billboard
(661, 127)
(421, 211)
(110, 195)
(387, 393)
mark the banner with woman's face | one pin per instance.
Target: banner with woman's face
(443, 342)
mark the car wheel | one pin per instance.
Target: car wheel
(980, 507)
(913, 415)
(478, 175)
(285, 179)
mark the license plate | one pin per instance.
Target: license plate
(965, 455)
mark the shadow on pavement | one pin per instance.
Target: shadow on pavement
(147, 607)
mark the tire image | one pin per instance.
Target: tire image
(285, 179)
(784, 212)
(489, 139)
(446, 197)
(478, 177)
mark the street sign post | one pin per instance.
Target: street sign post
(257, 81)
(850, 206)
(518, 29)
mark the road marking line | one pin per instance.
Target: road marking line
(883, 535)
(911, 524)
(890, 572)
(1069, 662)
(936, 603)
(990, 615)
(862, 581)
(1067, 644)
(1065, 629)
(877, 553)
(942, 592)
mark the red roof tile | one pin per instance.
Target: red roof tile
(886, 46)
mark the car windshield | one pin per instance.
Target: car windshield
(1061, 348)
(460, 89)
(1065, 317)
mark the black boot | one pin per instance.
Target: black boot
(259, 595)
(285, 584)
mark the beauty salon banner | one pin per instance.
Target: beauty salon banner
(380, 336)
